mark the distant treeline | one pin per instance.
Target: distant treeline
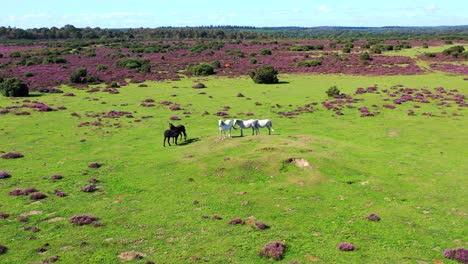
(234, 32)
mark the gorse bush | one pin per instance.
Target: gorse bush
(13, 87)
(265, 74)
(202, 69)
(141, 65)
(80, 75)
(309, 63)
(333, 91)
(455, 51)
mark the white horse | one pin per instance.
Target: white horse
(266, 123)
(223, 127)
(253, 123)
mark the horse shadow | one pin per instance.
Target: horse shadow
(188, 141)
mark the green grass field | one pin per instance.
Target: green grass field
(410, 170)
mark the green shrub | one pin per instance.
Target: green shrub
(265, 52)
(346, 49)
(28, 74)
(101, 67)
(253, 60)
(202, 69)
(333, 91)
(309, 63)
(265, 74)
(365, 56)
(455, 51)
(216, 64)
(78, 75)
(430, 54)
(12, 87)
(142, 65)
(15, 54)
(236, 52)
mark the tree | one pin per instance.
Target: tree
(265, 74)
(12, 87)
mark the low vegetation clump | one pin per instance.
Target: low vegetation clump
(80, 75)
(459, 254)
(346, 247)
(37, 196)
(202, 69)
(373, 217)
(94, 165)
(199, 86)
(264, 75)
(13, 87)
(309, 63)
(4, 175)
(140, 65)
(236, 221)
(333, 91)
(273, 250)
(83, 219)
(3, 249)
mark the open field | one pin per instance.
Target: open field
(411, 170)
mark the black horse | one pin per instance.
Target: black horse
(168, 134)
(179, 128)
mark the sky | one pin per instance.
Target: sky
(259, 13)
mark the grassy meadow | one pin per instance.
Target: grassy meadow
(160, 201)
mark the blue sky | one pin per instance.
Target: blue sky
(305, 13)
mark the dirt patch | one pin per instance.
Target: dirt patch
(34, 212)
(131, 255)
(299, 162)
(55, 219)
(392, 133)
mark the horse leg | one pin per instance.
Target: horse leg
(269, 131)
(242, 132)
(176, 139)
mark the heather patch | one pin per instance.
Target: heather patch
(459, 254)
(273, 250)
(4, 175)
(12, 155)
(346, 247)
(83, 219)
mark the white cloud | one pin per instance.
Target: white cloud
(323, 8)
(431, 7)
(297, 10)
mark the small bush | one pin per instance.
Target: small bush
(273, 250)
(199, 86)
(265, 52)
(37, 196)
(13, 87)
(253, 60)
(265, 74)
(3, 249)
(12, 155)
(83, 219)
(346, 247)
(333, 91)
(101, 67)
(459, 254)
(309, 63)
(365, 56)
(202, 69)
(4, 175)
(373, 217)
(142, 65)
